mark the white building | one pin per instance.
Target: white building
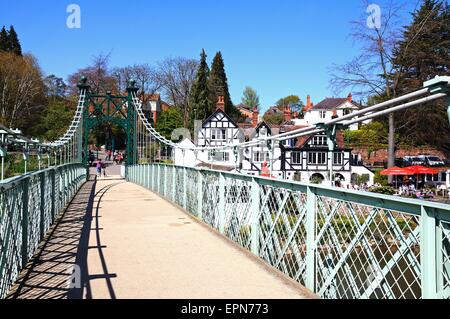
(255, 156)
(217, 130)
(304, 158)
(329, 107)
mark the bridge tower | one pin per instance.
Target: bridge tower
(100, 108)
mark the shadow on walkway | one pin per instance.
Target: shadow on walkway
(59, 268)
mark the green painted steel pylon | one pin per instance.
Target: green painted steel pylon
(108, 108)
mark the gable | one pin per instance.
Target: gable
(263, 125)
(219, 116)
(347, 105)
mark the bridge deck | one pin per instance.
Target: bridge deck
(129, 243)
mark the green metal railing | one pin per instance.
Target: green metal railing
(338, 243)
(29, 205)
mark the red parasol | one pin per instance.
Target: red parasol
(418, 170)
(395, 171)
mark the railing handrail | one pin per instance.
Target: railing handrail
(15, 180)
(336, 242)
(411, 205)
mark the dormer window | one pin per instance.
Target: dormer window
(347, 111)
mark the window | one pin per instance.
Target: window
(259, 157)
(296, 157)
(322, 114)
(319, 140)
(347, 111)
(218, 134)
(338, 158)
(218, 156)
(317, 158)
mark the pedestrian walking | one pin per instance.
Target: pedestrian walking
(104, 169)
(99, 168)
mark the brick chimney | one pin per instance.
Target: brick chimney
(350, 97)
(255, 117)
(221, 103)
(308, 103)
(287, 113)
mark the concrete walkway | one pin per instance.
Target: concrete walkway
(129, 243)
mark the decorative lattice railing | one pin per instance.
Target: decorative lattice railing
(338, 243)
(29, 205)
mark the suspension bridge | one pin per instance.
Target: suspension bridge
(166, 231)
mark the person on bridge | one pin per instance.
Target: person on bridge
(99, 168)
(104, 169)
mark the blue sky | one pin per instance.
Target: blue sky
(277, 47)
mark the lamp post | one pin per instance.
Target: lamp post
(25, 157)
(3, 134)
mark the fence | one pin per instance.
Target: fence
(338, 243)
(29, 205)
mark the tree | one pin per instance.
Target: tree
(372, 135)
(21, 90)
(143, 74)
(14, 43)
(56, 87)
(168, 121)
(200, 102)
(421, 59)
(218, 84)
(54, 120)
(372, 73)
(176, 77)
(274, 118)
(99, 75)
(250, 98)
(288, 100)
(4, 40)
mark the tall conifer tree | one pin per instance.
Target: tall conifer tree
(4, 40)
(14, 43)
(218, 85)
(200, 102)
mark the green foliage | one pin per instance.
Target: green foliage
(218, 85)
(14, 43)
(316, 180)
(286, 101)
(250, 98)
(386, 190)
(361, 179)
(55, 119)
(423, 53)
(4, 41)
(273, 118)
(200, 102)
(15, 165)
(372, 135)
(168, 121)
(9, 41)
(380, 179)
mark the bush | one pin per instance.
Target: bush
(316, 180)
(380, 179)
(386, 190)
